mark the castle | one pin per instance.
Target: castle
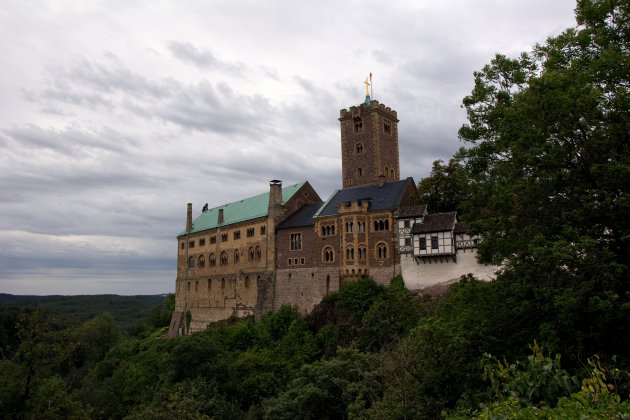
(289, 247)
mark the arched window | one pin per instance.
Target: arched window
(393, 173)
(386, 171)
(251, 254)
(381, 250)
(201, 262)
(258, 253)
(224, 258)
(191, 262)
(349, 253)
(359, 148)
(328, 255)
(359, 171)
(236, 256)
(212, 261)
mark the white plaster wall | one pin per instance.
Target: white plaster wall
(419, 276)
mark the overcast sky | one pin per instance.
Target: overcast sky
(115, 114)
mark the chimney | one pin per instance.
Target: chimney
(189, 217)
(275, 193)
(220, 217)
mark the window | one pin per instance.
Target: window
(393, 173)
(213, 239)
(224, 258)
(209, 284)
(359, 148)
(201, 262)
(382, 224)
(406, 223)
(381, 250)
(296, 241)
(196, 286)
(358, 124)
(236, 235)
(224, 237)
(191, 244)
(202, 242)
(258, 253)
(423, 243)
(349, 226)
(328, 230)
(407, 241)
(361, 226)
(359, 171)
(212, 261)
(387, 127)
(250, 255)
(250, 232)
(237, 256)
(191, 262)
(222, 283)
(246, 281)
(290, 262)
(263, 229)
(302, 260)
(434, 242)
(350, 254)
(295, 261)
(183, 245)
(328, 255)
(362, 253)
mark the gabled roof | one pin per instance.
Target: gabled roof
(461, 227)
(302, 217)
(240, 211)
(385, 197)
(412, 211)
(438, 222)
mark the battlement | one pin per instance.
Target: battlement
(374, 105)
(354, 206)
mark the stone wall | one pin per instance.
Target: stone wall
(305, 287)
(435, 271)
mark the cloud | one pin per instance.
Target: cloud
(203, 59)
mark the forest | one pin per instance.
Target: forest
(543, 179)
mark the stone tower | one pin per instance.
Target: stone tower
(369, 144)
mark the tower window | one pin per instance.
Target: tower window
(387, 127)
(360, 171)
(358, 124)
(328, 255)
(359, 148)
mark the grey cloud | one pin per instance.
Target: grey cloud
(204, 59)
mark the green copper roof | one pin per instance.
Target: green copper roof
(240, 211)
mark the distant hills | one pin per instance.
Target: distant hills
(127, 310)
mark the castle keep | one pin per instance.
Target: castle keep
(288, 247)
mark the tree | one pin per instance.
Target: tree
(445, 189)
(549, 171)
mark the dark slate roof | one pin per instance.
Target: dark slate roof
(438, 222)
(302, 217)
(412, 211)
(387, 197)
(461, 227)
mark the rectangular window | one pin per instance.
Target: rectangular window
(423, 243)
(191, 244)
(213, 239)
(406, 223)
(434, 242)
(237, 234)
(296, 241)
(302, 261)
(202, 242)
(183, 245)
(295, 261)
(250, 232)
(263, 229)
(290, 261)
(224, 237)
(407, 241)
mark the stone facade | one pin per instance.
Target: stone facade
(287, 247)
